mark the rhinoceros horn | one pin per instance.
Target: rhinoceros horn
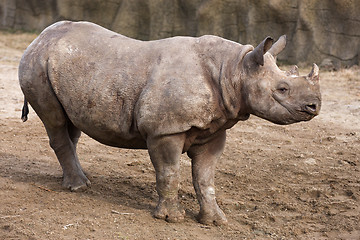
(278, 46)
(313, 76)
(293, 71)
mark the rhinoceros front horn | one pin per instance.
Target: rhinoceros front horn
(278, 46)
(256, 57)
(314, 74)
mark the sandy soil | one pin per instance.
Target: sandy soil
(274, 182)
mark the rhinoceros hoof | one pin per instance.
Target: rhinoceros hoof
(169, 211)
(216, 217)
(76, 183)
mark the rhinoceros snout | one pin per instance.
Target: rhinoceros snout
(312, 109)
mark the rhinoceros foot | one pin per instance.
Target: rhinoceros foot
(76, 182)
(214, 216)
(169, 210)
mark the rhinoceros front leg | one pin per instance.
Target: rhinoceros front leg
(204, 158)
(165, 155)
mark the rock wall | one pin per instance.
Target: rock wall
(316, 29)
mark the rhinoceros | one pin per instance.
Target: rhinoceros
(170, 96)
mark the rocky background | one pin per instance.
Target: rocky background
(320, 31)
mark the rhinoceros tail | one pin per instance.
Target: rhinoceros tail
(25, 111)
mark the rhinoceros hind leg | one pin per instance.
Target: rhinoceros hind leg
(63, 136)
(74, 133)
(165, 155)
(204, 158)
(65, 150)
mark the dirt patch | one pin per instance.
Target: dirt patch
(273, 182)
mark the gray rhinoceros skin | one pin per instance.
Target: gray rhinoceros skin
(169, 96)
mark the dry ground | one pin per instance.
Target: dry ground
(274, 182)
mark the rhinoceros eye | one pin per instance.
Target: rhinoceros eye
(283, 90)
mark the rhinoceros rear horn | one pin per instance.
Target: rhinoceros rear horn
(256, 57)
(278, 46)
(293, 71)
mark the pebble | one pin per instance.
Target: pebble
(310, 161)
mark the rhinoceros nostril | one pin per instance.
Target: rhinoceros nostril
(311, 108)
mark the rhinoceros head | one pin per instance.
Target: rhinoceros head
(278, 96)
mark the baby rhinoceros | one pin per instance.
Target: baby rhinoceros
(168, 96)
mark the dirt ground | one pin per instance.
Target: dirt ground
(273, 182)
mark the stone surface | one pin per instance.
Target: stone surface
(316, 29)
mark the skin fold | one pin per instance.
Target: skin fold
(169, 96)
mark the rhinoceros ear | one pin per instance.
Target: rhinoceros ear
(278, 46)
(256, 57)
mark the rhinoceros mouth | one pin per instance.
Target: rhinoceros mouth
(301, 112)
(298, 113)
(308, 116)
